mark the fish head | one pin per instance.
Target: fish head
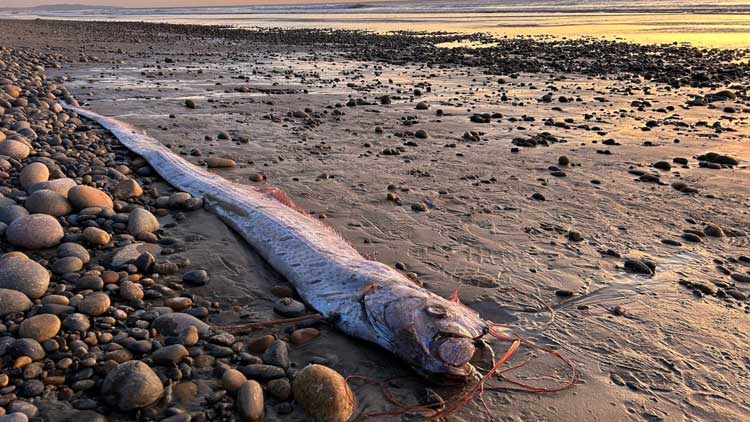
(437, 337)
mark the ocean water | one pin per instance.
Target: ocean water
(719, 24)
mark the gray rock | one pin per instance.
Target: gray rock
(142, 221)
(73, 249)
(132, 385)
(176, 323)
(170, 355)
(35, 231)
(33, 173)
(128, 254)
(76, 322)
(69, 264)
(12, 301)
(26, 347)
(277, 354)
(10, 213)
(48, 202)
(61, 186)
(22, 274)
(14, 417)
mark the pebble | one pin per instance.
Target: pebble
(85, 197)
(35, 231)
(132, 385)
(170, 355)
(303, 335)
(94, 304)
(289, 307)
(130, 291)
(27, 347)
(69, 264)
(61, 186)
(196, 278)
(215, 162)
(142, 221)
(25, 275)
(10, 213)
(277, 354)
(73, 249)
(14, 149)
(48, 202)
(232, 380)
(126, 189)
(96, 236)
(324, 394)
(76, 322)
(176, 323)
(40, 327)
(13, 301)
(713, 231)
(33, 173)
(250, 401)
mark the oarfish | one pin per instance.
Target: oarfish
(363, 298)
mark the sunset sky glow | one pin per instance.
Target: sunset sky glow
(167, 3)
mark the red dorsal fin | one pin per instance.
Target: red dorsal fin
(454, 297)
(282, 197)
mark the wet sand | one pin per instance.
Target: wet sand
(648, 347)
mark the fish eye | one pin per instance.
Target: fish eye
(436, 311)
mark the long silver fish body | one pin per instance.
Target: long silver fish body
(363, 298)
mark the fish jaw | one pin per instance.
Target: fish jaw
(435, 336)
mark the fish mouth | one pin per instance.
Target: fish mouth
(454, 354)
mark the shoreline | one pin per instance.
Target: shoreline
(441, 168)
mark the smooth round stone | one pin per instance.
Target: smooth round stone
(280, 389)
(33, 173)
(324, 394)
(48, 202)
(250, 401)
(216, 162)
(303, 335)
(89, 282)
(289, 307)
(21, 406)
(26, 347)
(196, 278)
(35, 231)
(132, 385)
(73, 249)
(40, 327)
(142, 221)
(14, 417)
(176, 323)
(13, 301)
(24, 275)
(178, 199)
(169, 355)
(61, 186)
(10, 213)
(179, 303)
(127, 189)
(277, 354)
(94, 304)
(85, 196)
(14, 149)
(76, 322)
(55, 299)
(713, 230)
(69, 264)
(131, 291)
(96, 236)
(232, 380)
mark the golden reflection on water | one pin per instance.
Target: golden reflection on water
(730, 30)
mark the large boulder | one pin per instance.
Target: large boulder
(33, 173)
(14, 149)
(12, 301)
